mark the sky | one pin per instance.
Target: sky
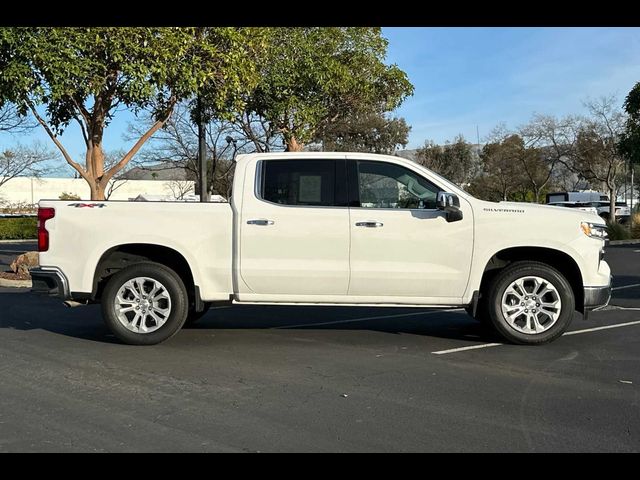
(472, 79)
(469, 80)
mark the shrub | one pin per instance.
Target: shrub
(635, 231)
(618, 231)
(17, 208)
(68, 196)
(18, 228)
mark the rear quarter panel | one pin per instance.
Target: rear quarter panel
(200, 232)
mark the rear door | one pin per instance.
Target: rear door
(295, 230)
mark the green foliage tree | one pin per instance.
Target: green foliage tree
(630, 138)
(452, 160)
(501, 174)
(312, 77)
(372, 132)
(83, 75)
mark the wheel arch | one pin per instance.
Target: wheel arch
(120, 256)
(561, 261)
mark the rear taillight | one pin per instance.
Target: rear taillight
(44, 214)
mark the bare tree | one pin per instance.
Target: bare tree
(180, 188)
(10, 121)
(555, 140)
(120, 178)
(24, 161)
(256, 134)
(597, 155)
(176, 145)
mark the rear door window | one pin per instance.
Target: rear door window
(303, 182)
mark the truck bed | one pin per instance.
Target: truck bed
(82, 231)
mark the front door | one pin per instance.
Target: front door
(401, 245)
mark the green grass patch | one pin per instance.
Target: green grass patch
(18, 228)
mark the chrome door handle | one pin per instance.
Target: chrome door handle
(260, 221)
(369, 224)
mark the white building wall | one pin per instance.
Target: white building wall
(31, 190)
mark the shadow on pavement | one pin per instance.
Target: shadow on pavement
(24, 311)
(626, 293)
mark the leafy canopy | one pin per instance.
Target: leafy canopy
(68, 69)
(630, 138)
(312, 76)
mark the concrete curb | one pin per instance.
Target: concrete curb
(634, 241)
(15, 283)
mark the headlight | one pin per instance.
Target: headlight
(594, 230)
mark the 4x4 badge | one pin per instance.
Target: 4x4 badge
(87, 205)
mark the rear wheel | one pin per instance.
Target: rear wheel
(530, 303)
(145, 304)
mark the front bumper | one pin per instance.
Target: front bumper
(597, 297)
(50, 281)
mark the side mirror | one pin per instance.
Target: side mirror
(450, 204)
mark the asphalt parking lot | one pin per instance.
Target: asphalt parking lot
(268, 379)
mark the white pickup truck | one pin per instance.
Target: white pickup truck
(325, 229)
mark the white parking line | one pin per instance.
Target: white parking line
(626, 286)
(461, 349)
(381, 317)
(574, 332)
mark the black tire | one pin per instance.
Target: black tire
(529, 268)
(193, 316)
(175, 289)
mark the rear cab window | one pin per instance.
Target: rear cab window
(303, 183)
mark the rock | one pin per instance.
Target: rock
(24, 262)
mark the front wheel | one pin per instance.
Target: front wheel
(145, 304)
(530, 303)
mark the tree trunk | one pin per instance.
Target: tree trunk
(292, 144)
(612, 204)
(95, 168)
(97, 190)
(93, 172)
